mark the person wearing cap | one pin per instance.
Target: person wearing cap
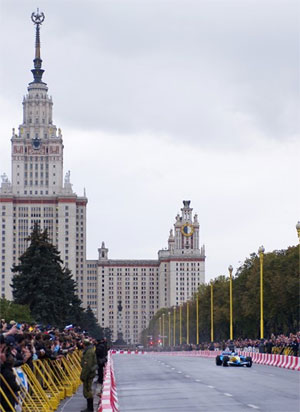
(89, 366)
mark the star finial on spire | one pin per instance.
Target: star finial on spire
(37, 19)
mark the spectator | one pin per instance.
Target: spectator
(261, 346)
(9, 376)
(269, 345)
(101, 354)
(295, 347)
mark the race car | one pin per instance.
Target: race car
(233, 359)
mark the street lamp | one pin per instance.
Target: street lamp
(261, 259)
(169, 313)
(174, 326)
(197, 319)
(211, 312)
(180, 324)
(187, 323)
(230, 268)
(298, 231)
(163, 330)
(160, 327)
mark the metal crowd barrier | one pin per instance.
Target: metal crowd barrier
(44, 386)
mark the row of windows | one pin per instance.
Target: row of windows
(36, 183)
(133, 269)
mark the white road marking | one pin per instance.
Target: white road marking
(198, 380)
(211, 387)
(187, 376)
(271, 374)
(179, 372)
(173, 369)
(252, 406)
(227, 394)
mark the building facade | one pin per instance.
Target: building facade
(125, 294)
(37, 191)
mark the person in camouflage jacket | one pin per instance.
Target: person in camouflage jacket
(89, 367)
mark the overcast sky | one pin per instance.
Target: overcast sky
(161, 101)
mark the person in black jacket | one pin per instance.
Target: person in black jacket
(294, 346)
(9, 376)
(269, 345)
(101, 354)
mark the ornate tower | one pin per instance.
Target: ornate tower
(37, 148)
(103, 253)
(186, 231)
(182, 264)
(37, 192)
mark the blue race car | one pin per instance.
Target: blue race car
(233, 359)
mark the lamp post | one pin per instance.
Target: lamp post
(180, 324)
(174, 326)
(261, 260)
(197, 319)
(163, 329)
(230, 268)
(160, 327)
(211, 312)
(298, 231)
(169, 313)
(187, 323)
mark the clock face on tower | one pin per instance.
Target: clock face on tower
(187, 229)
(36, 143)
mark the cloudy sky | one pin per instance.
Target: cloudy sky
(165, 100)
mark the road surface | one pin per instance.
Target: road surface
(160, 383)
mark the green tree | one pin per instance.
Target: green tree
(88, 322)
(281, 301)
(12, 311)
(108, 335)
(42, 283)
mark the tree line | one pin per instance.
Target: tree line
(281, 302)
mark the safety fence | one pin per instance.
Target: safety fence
(282, 351)
(43, 386)
(269, 359)
(109, 398)
(128, 352)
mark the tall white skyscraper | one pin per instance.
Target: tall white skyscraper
(38, 192)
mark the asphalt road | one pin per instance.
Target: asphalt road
(167, 383)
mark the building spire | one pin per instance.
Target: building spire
(37, 72)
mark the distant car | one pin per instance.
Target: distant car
(233, 359)
(139, 346)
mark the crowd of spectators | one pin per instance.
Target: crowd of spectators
(281, 344)
(23, 343)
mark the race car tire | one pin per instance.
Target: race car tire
(218, 360)
(225, 360)
(249, 360)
